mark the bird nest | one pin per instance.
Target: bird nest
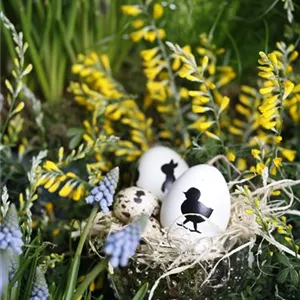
(205, 265)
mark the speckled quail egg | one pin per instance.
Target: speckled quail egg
(132, 202)
(153, 229)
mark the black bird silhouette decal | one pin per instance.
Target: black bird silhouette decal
(192, 205)
(168, 169)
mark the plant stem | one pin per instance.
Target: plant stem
(101, 266)
(76, 260)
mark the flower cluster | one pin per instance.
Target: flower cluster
(53, 178)
(101, 94)
(275, 90)
(149, 32)
(10, 234)
(122, 244)
(104, 192)
(209, 106)
(40, 288)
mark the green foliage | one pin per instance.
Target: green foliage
(58, 30)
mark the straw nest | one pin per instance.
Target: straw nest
(170, 255)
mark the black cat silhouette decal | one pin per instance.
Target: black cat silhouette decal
(138, 198)
(192, 206)
(168, 169)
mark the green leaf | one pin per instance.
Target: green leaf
(294, 277)
(282, 275)
(74, 131)
(75, 141)
(283, 259)
(140, 295)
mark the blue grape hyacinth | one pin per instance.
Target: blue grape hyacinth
(10, 233)
(122, 244)
(104, 192)
(10, 244)
(40, 288)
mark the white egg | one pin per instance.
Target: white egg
(201, 190)
(158, 168)
(132, 202)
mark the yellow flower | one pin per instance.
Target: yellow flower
(248, 90)
(78, 192)
(277, 162)
(151, 73)
(150, 36)
(138, 23)
(158, 11)
(289, 240)
(212, 135)
(161, 33)
(255, 153)
(184, 93)
(231, 156)
(201, 125)
(50, 166)
(288, 87)
(241, 164)
(204, 62)
(290, 155)
(276, 193)
(293, 56)
(137, 35)
(66, 189)
(260, 167)
(147, 55)
(131, 10)
(243, 111)
(224, 104)
(266, 90)
(200, 109)
(236, 131)
(273, 59)
(55, 232)
(54, 187)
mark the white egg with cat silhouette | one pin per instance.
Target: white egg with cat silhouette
(158, 168)
(198, 204)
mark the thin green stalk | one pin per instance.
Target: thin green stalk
(213, 28)
(30, 278)
(100, 267)
(54, 68)
(85, 32)
(72, 16)
(237, 53)
(67, 42)
(41, 74)
(40, 9)
(76, 260)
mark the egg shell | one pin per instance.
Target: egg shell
(200, 190)
(158, 168)
(132, 202)
(153, 229)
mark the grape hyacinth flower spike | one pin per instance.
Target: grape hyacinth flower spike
(40, 288)
(10, 233)
(10, 244)
(104, 192)
(122, 244)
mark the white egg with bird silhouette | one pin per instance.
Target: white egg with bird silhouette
(158, 168)
(198, 204)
